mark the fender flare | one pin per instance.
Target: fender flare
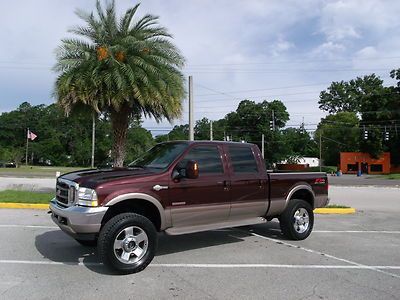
(298, 188)
(141, 196)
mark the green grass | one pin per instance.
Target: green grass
(392, 176)
(37, 171)
(12, 196)
(337, 206)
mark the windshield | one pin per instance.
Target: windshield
(160, 156)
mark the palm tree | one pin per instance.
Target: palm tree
(123, 68)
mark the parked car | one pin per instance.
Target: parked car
(179, 188)
(7, 164)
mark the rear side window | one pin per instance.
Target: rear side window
(242, 160)
(208, 158)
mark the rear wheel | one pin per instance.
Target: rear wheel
(127, 243)
(297, 220)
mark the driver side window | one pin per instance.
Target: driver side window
(207, 157)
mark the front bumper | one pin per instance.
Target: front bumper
(79, 222)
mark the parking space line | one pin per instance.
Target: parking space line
(358, 231)
(373, 268)
(220, 266)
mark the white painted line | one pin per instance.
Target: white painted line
(321, 253)
(273, 266)
(222, 266)
(26, 226)
(357, 231)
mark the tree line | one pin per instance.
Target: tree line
(364, 115)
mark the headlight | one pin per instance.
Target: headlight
(87, 197)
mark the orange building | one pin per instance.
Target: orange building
(352, 162)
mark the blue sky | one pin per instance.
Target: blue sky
(260, 50)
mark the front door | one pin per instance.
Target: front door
(203, 200)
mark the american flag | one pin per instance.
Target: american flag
(31, 135)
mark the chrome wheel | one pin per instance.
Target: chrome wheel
(130, 245)
(301, 220)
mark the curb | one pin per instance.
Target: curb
(24, 205)
(337, 211)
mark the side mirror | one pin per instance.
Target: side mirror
(192, 169)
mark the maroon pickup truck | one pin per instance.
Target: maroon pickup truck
(181, 187)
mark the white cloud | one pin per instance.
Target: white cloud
(328, 49)
(280, 46)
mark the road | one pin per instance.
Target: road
(346, 257)
(30, 184)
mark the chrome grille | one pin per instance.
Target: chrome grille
(66, 192)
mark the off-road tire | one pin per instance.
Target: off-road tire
(287, 220)
(108, 234)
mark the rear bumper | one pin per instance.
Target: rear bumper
(321, 201)
(79, 222)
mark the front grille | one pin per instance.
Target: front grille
(65, 192)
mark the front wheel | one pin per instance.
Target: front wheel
(297, 220)
(127, 243)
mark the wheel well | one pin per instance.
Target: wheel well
(305, 195)
(139, 206)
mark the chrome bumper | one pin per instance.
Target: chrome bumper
(77, 220)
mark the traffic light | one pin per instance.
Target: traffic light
(271, 125)
(387, 136)
(365, 134)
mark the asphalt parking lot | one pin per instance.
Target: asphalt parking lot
(347, 256)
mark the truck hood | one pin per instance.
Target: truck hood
(93, 177)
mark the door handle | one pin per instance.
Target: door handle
(158, 187)
(226, 184)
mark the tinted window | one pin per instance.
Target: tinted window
(376, 168)
(160, 156)
(352, 167)
(208, 158)
(242, 160)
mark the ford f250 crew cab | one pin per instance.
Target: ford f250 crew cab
(181, 187)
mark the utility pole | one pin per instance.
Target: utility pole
(27, 145)
(211, 130)
(93, 137)
(262, 145)
(320, 150)
(191, 118)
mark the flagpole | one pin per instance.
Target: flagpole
(27, 142)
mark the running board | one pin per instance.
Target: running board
(206, 227)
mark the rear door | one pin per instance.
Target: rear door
(206, 199)
(249, 186)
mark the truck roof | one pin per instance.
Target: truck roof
(208, 142)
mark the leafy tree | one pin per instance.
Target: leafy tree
(252, 119)
(139, 140)
(349, 96)
(298, 143)
(121, 67)
(340, 133)
(178, 133)
(202, 129)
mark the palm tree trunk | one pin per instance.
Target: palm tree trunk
(120, 123)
